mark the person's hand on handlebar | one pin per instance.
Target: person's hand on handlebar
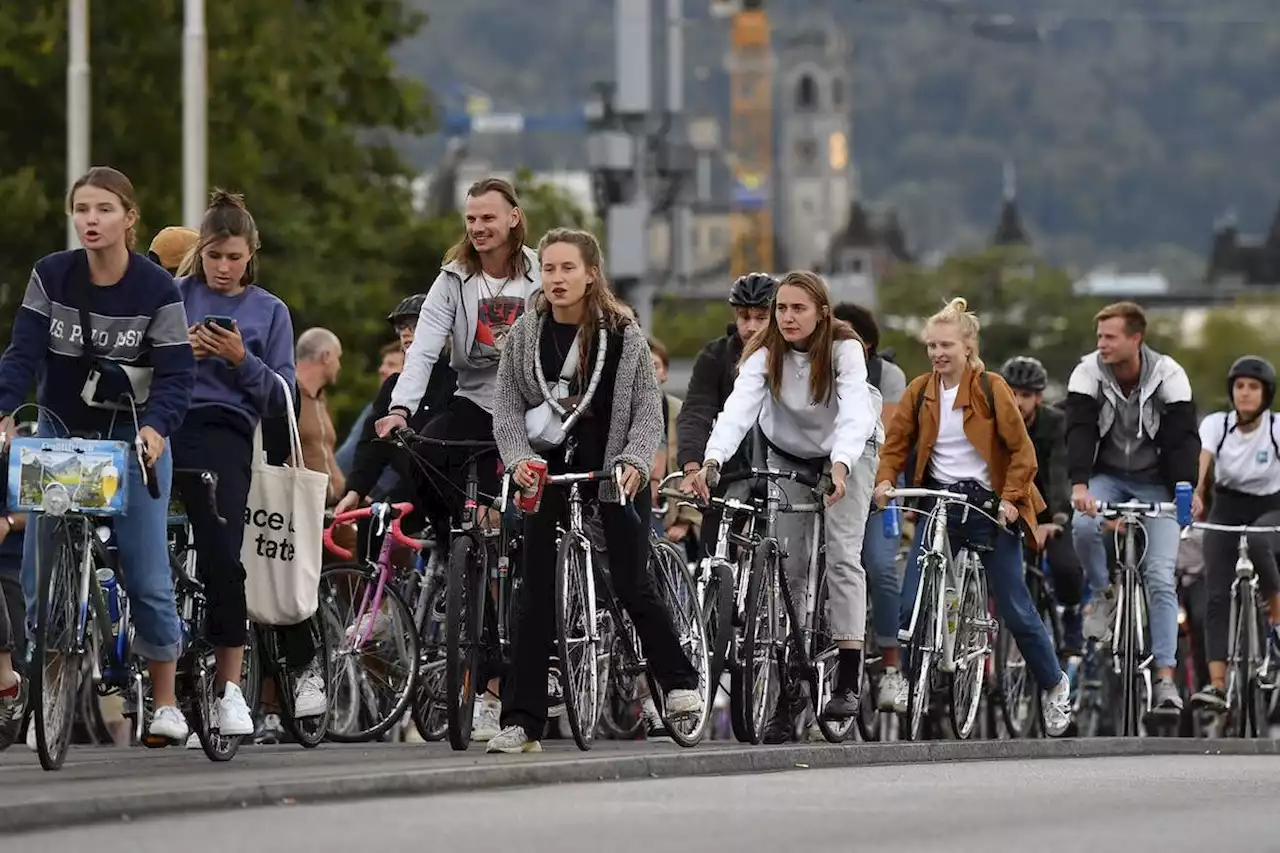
(881, 494)
(152, 443)
(1082, 500)
(392, 422)
(349, 501)
(631, 480)
(699, 482)
(838, 474)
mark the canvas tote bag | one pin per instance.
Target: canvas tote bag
(284, 525)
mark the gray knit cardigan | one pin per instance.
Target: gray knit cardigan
(635, 431)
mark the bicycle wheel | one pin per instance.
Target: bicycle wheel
(972, 648)
(430, 714)
(374, 657)
(464, 637)
(199, 672)
(578, 635)
(55, 669)
(824, 655)
(307, 731)
(759, 677)
(1134, 691)
(678, 589)
(620, 707)
(717, 616)
(920, 654)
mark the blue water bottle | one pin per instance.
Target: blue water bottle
(1182, 500)
(890, 521)
(107, 579)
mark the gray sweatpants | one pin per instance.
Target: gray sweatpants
(846, 525)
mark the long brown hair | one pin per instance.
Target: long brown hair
(226, 217)
(116, 182)
(602, 305)
(825, 335)
(465, 254)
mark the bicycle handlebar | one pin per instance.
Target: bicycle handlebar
(1149, 508)
(1234, 528)
(911, 493)
(210, 481)
(406, 436)
(397, 511)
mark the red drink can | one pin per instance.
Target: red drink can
(530, 497)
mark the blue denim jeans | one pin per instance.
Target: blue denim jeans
(1007, 583)
(878, 555)
(143, 549)
(1163, 538)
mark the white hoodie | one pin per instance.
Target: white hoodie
(462, 306)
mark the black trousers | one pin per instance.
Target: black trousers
(1220, 551)
(1067, 571)
(218, 440)
(441, 492)
(524, 691)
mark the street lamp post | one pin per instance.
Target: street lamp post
(195, 130)
(77, 99)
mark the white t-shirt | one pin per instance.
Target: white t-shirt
(954, 457)
(1247, 461)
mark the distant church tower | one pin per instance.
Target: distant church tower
(815, 160)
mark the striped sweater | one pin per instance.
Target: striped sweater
(139, 321)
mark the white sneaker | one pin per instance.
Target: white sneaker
(1057, 708)
(683, 703)
(169, 723)
(310, 700)
(513, 740)
(193, 741)
(486, 724)
(555, 694)
(233, 713)
(655, 729)
(373, 627)
(892, 685)
(31, 734)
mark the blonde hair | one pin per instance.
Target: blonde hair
(825, 335)
(957, 313)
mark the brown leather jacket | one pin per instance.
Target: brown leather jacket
(318, 440)
(1001, 437)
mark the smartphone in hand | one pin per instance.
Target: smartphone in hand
(215, 320)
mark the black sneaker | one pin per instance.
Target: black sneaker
(782, 725)
(1210, 699)
(842, 705)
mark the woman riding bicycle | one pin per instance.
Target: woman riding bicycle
(804, 380)
(139, 333)
(579, 327)
(964, 429)
(242, 337)
(1240, 460)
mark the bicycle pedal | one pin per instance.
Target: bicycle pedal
(151, 741)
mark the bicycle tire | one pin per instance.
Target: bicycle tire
(920, 651)
(199, 674)
(754, 701)
(686, 616)
(833, 731)
(429, 714)
(55, 560)
(465, 595)
(581, 708)
(717, 616)
(376, 721)
(1130, 641)
(308, 732)
(620, 717)
(973, 607)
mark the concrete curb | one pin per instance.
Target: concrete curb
(27, 817)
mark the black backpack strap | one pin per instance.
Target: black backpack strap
(80, 288)
(875, 370)
(985, 379)
(1226, 424)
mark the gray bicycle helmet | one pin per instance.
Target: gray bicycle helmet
(1254, 367)
(408, 309)
(753, 290)
(1025, 373)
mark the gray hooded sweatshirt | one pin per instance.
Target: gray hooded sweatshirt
(478, 313)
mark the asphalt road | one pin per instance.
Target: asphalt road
(1166, 803)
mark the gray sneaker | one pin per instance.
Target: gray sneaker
(1100, 616)
(1165, 697)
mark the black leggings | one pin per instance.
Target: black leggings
(1220, 553)
(524, 691)
(13, 636)
(441, 492)
(217, 440)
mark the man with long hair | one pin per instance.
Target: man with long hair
(487, 281)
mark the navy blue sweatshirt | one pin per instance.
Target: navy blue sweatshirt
(139, 321)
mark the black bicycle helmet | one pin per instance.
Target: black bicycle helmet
(409, 307)
(753, 290)
(1254, 367)
(1025, 373)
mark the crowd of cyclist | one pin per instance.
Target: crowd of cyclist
(531, 348)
